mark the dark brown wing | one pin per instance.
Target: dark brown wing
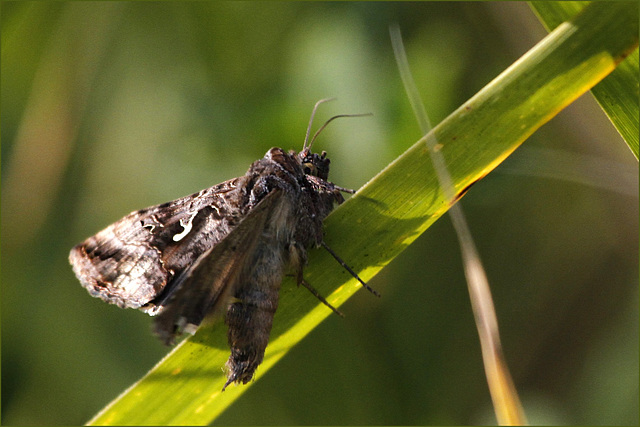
(136, 259)
(209, 283)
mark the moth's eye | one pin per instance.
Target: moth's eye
(310, 169)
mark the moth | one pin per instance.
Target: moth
(222, 250)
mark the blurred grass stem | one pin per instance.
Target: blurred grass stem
(503, 392)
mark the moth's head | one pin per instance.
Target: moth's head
(315, 164)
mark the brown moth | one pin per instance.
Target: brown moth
(222, 250)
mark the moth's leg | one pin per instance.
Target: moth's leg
(345, 190)
(320, 297)
(346, 267)
(298, 256)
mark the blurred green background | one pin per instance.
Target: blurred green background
(113, 106)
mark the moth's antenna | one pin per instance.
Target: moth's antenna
(329, 121)
(313, 113)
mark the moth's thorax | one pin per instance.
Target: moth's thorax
(303, 178)
(284, 160)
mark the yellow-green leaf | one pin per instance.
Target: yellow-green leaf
(619, 92)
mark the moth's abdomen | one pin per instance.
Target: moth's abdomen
(249, 327)
(251, 315)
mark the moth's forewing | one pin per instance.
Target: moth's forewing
(210, 282)
(135, 260)
(122, 274)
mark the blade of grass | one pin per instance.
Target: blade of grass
(393, 209)
(619, 92)
(504, 395)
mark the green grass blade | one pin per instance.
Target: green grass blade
(619, 92)
(393, 209)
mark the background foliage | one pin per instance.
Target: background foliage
(110, 107)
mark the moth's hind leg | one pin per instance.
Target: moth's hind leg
(314, 291)
(298, 258)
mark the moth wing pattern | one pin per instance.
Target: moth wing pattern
(208, 285)
(136, 259)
